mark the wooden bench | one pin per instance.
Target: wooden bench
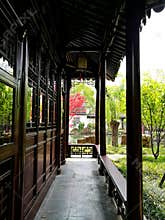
(116, 183)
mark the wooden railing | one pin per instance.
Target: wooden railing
(82, 150)
(116, 183)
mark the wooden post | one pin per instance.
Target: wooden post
(58, 121)
(134, 145)
(63, 153)
(22, 76)
(66, 92)
(97, 118)
(63, 124)
(53, 143)
(102, 108)
(37, 117)
(46, 109)
(66, 115)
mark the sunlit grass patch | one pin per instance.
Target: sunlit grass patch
(153, 195)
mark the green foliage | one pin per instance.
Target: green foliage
(154, 200)
(80, 126)
(122, 150)
(153, 195)
(91, 126)
(121, 164)
(6, 103)
(147, 151)
(153, 169)
(29, 104)
(153, 110)
(115, 102)
(116, 150)
(88, 93)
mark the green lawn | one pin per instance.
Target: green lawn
(116, 150)
(122, 150)
(153, 170)
(154, 196)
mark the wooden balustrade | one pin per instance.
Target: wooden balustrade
(81, 150)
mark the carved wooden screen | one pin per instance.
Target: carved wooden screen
(40, 132)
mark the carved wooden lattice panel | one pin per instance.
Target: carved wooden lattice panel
(81, 150)
(87, 150)
(5, 189)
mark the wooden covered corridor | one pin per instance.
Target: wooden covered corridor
(43, 46)
(79, 193)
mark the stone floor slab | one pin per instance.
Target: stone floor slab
(79, 193)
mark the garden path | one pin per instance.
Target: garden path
(79, 193)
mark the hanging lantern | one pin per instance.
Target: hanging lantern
(82, 62)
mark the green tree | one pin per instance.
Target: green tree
(81, 126)
(153, 111)
(115, 102)
(91, 126)
(29, 104)
(115, 107)
(6, 104)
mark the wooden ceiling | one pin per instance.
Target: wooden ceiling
(70, 27)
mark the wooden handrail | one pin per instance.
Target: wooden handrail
(116, 183)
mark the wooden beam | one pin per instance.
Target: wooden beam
(83, 49)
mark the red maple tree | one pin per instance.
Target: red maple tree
(76, 103)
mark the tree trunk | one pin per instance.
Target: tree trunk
(114, 126)
(162, 181)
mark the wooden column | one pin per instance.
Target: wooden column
(58, 121)
(37, 116)
(134, 145)
(102, 108)
(63, 122)
(97, 112)
(45, 116)
(22, 77)
(67, 87)
(53, 142)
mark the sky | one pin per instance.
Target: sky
(152, 45)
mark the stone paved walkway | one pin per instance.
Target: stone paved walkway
(79, 193)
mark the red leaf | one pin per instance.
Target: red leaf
(76, 104)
